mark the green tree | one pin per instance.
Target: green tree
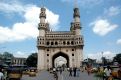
(117, 58)
(1, 56)
(32, 60)
(7, 57)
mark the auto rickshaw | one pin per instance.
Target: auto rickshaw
(14, 73)
(32, 72)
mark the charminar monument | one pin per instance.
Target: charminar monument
(52, 44)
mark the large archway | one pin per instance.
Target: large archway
(60, 54)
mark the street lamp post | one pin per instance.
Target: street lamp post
(102, 59)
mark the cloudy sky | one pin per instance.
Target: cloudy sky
(100, 19)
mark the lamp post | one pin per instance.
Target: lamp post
(102, 59)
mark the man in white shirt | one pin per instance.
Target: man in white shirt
(107, 72)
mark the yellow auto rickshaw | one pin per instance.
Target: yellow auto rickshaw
(14, 73)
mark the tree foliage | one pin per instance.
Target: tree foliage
(117, 58)
(32, 60)
(7, 55)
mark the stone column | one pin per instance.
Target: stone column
(40, 63)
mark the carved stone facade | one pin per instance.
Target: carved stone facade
(52, 44)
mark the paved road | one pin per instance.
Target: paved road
(44, 75)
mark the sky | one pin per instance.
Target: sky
(100, 20)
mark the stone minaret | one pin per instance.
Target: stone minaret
(42, 27)
(76, 25)
(76, 29)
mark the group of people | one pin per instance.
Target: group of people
(109, 74)
(74, 72)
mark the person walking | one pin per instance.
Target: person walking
(70, 72)
(75, 72)
(88, 68)
(78, 72)
(55, 75)
(60, 71)
(107, 72)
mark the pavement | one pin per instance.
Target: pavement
(45, 75)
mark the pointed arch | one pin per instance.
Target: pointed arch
(60, 54)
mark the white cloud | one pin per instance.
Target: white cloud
(11, 7)
(28, 28)
(103, 27)
(119, 41)
(53, 19)
(113, 10)
(21, 54)
(98, 55)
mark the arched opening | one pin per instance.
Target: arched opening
(58, 55)
(60, 61)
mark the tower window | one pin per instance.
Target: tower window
(72, 54)
(48, 43)
(64, 43)
(51, 43)
(56, 43)
(68, 43)
(47, 49)
(72, 42)
(72, 49)
(47, 54)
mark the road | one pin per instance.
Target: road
(44, 75)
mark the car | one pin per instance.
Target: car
(32, 72)
(25, 71)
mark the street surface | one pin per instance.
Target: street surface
(44, 75)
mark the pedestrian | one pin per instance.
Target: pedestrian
(60, 70)
(88, 69)
(55, 75)
(75, 72)
(107, 72)
(70, 72)
(78, 72)
(1, 75)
